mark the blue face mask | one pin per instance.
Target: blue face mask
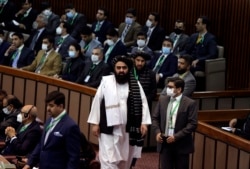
(70, 14)
(166, 50)
(128, 20)
(72, 54)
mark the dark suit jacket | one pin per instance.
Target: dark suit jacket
(168, 68)
(186, 123)
(53, 23)
(202, 51)
(39, 40)
(156, 38)
(78, 24)
(8, 13)
(62, 149)
(27, 21)
(180, 44)
(119, 49)
(25, 142)
(131, 36)
(102, 69)
(73, 69)
(26, 58)
(101, 34)
(9, 120)
(3, 47)
(63, 50)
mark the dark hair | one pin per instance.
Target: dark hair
(180, 21)
(112, 32)
(86, 31)
(1, 32)
(3, 92)
(123, 58)
(131, 11)
(69, 6)
(142, 54)
(178, 82)
(188, 58)
(67, 26)
(57, 97)
(156, 15)
(205, 20)
(142, 34)
(17, 104)
(29, 1)
(77, 46)
(45, 5)
(50, 38)
(19, 35)
(105, 11)
(169, 40)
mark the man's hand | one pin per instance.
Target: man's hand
(232, 123)
(194, 63)
(26, 167)
(96, 130)
(170, 139)
(144, 129)
(159, 138)
(10, 132)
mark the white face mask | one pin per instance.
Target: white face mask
(6, 111)
(148, 23)
(94, 58)
(19, 118)
(170, 92)
(110, 42)
(72, 54)
(58, 30)
(35, 25)
(44, 47)
(141, 43)
(47, 12)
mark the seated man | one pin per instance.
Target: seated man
(4, 45)
(23, 140)
(48, 61)
(11, 108)
(92, 72)
(164, 64)
(183, 72)
(241, 127)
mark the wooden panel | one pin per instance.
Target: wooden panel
(85, 106)
(73, 106)
(40, 103)
(244, 161)
(199, 151)
(209, 153)
(221, 155)
(7, 83)
(19, 88)
(232, 158)
(30, 87)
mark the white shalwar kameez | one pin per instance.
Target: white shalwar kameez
(114, 150)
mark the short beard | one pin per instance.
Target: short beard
(121, 79)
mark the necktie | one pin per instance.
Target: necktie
(199, 39)
(23, 129)
(98, 26)
(125, 31)
(15, 58)
(170, 106)
(48, 130)
(159, 64)
(41, 62)
(33, 43)
(108, 53)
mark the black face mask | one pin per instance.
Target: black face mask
(177, 31)
(181, 71)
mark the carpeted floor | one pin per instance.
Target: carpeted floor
(149, 160)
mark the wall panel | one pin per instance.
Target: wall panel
(229, 22)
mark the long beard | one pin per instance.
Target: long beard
(122, 78)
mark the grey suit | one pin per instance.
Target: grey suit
(176, 154)
(131, 36)
(181, 42)
(53, 23)
(190, 84)
(92, 44)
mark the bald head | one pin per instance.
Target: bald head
(30, 110)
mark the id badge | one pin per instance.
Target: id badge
(87, 78)
(170, 132)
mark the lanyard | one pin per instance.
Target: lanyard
(135, 74)
(92, 69)
(71, 22)
(171, 115)
(23, 129)
(86, 47)
(161, 60)
(15, 54)
(52, 124)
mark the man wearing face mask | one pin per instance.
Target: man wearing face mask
(142, 45)
(74, 63)
(3, 94)
(183, 72)
(128, 30)
(53, 19)
(63, 40)
(23, 140)
(76, 20)
(164, 64)
(88, 43)
(155, 33)
(11, 108)
(34, 42)
(179, 37)
(113, 47)
(93, 72)
(23, 19)
(173, 121)
(48, 61)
